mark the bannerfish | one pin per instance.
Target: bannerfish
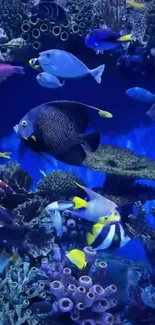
(5, 188)
(56, 128)
(48, 80)
(96, 207)
(107, 236)
(61, 205)
(151, 112)
(55, 218)
(35, 64)
(77, 258)
(6, 259)
(7, 70)
(65, 65)
(141, 94)
(5, 155)
(136, 5)
(105, 39)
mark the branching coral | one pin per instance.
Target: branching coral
(18, 288)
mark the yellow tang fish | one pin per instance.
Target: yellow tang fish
(77, 258)
(136, 5)
(125, 38)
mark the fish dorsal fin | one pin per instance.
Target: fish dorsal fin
(90, 238)
(75, 110)
(91, 194)
(96, 228)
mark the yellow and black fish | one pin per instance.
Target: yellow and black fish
(111, 235)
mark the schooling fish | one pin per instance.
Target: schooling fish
(77, 258)
(7, 70)
(57, 128)
(141, 94)
(65, 65)
(61, 205)
(48, 80)
(107, 236)
(5, 155)
(105, 39)
(96, 207)
(56, 220)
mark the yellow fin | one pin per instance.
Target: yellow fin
(33, 138)
(89, 238)
(5, 155)
(79, 203)
(125, 38)
(136, 5)
(77, 257)
(79, 185)
(105, 114)
(15, 257)
(96, 228)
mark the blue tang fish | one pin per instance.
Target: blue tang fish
(65, 65)
(105, 39)
(141, 94)
(48, 80)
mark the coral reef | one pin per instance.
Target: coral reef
(82, 296)
(58, 185)
(19, 287)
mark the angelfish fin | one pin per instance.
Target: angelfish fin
(90, 238)
(33, 138)
(79, 203)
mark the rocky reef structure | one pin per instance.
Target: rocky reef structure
(123, 169)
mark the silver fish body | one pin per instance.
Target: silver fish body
(55, 218)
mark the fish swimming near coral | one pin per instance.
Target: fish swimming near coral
(6, 259)
(136, 5)
(5, 155)
(65, 65)
(7, 219)
(77, 257)
(35, 64)
(56, 220)
(56, 128)
(49, 81)
(109, 235)
(7, 70)
(141, 94)
(61, 205)
(105, 39)
(96, 207)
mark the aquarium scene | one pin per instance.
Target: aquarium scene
(77, 162)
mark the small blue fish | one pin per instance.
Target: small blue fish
(65, 65)
(48, 80)
(141, 94)
(61, 205)
(56, 220)
(105, 39)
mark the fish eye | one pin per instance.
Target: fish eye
(48, 55)
(106, 218)
(24, 123)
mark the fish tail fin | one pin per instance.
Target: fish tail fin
(105, 114)
(62, 85)
(91, 141)
(97, 73)
(125, 38)
(19, 70)
(5, 155)
(79, 203)
(89, 238)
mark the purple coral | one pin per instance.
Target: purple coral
(83, 298)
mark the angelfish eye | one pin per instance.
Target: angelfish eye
(24, 123)
(48, 55)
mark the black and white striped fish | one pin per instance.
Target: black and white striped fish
(110, 236)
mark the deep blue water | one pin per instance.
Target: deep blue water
(130, 127)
